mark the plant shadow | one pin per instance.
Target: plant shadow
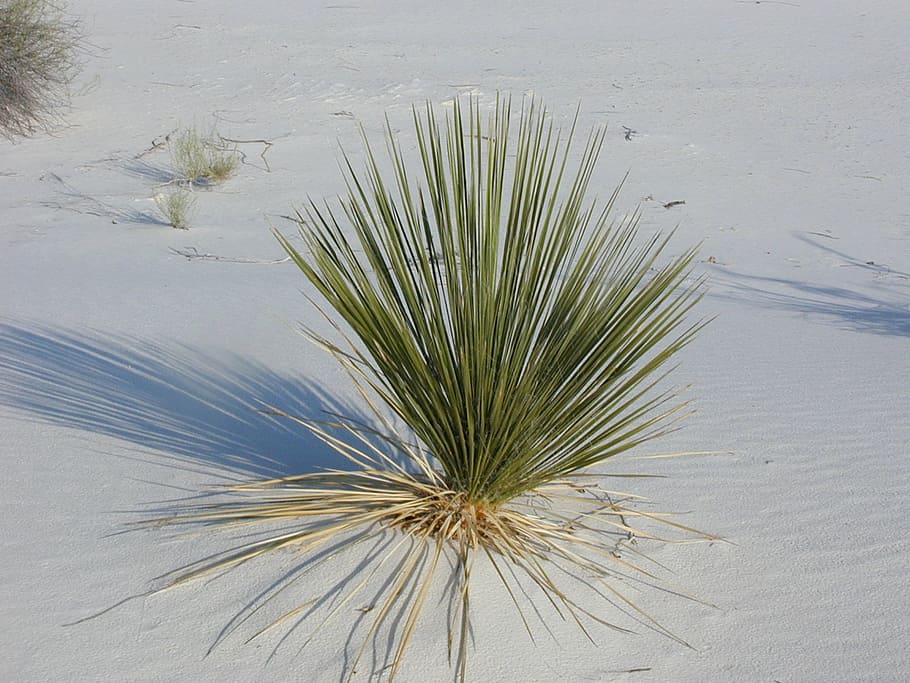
(163, 176)
(82, 203)
(884, 308)
(196, 410)
(172, 398)
(148, 171)
(134, 216)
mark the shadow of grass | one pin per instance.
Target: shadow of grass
(148, 171)
(845, 308)
(883, 308)
(172, 398)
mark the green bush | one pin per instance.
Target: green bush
(522, 335)
(203, 158)
(38, 61)
(176, 205)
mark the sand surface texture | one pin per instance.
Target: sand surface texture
(127, 369)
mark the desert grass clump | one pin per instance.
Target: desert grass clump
(39, 47)
(203, 158)
(176, 205)
(522, 336)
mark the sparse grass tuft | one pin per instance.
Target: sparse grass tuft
(38, 61)
(203, 158)
(176, 205)
(522, 335)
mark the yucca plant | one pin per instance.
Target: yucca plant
(521, 335)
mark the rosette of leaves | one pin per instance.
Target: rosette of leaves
(522, 335)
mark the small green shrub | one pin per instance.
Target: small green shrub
(203, 158)
(176, 206)
(38, 61)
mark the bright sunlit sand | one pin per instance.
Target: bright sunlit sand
(133, 356)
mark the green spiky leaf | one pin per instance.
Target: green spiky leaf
(518, 329)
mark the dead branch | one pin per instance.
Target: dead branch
(192, 253)
(157, 143)
(267, 146)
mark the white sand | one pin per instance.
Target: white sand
(783, 126)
